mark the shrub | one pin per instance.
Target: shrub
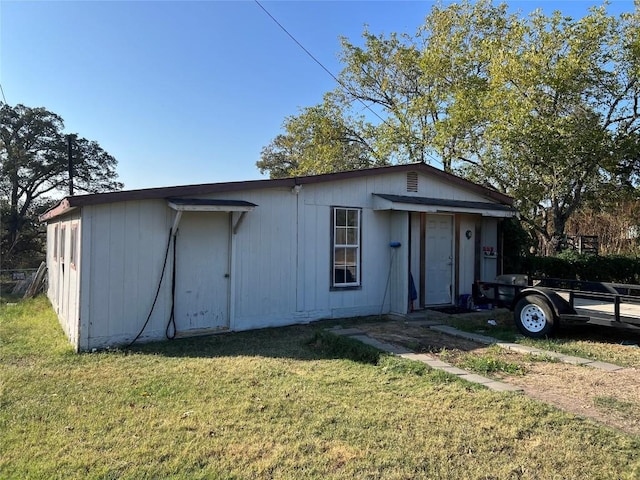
(572, 265)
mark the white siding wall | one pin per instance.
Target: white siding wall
(52, 277)
(434, 188)
(64, 272)
(128, 242)
(399, 274)
(264, 250)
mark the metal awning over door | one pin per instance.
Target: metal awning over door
(209, 205)
(408, 203)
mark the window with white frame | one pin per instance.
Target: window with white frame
(346, 247)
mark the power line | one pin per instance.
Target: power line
(316, 60)
(340, 82)
(2, 91)
(298, 43)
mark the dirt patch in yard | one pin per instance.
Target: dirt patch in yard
(417, 337)
(611, 398)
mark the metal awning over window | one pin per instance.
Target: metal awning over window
(407, 203)
(209, 205)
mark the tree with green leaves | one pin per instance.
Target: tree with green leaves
(559, 115)
(319, 140)
(544, 108)
(34, 171)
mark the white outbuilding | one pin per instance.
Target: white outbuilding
(198, 259)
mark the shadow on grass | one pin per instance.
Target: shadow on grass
(598, 333)
(300, 342)
(307, 343)
(505, 329)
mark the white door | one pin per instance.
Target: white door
(439, 260)
(202, 272)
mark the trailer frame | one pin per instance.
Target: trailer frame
(543, 304)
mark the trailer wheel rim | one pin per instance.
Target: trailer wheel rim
(533, 318)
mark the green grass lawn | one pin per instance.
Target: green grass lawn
(606, 344)
(278, 403)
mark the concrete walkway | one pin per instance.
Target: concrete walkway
(437, 364)
(429, 360)
(515, 347)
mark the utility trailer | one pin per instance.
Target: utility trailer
(540, 305)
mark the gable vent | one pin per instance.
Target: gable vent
(412, 181)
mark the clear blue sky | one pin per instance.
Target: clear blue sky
(189, 92)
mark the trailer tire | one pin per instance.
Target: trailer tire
(534, 317)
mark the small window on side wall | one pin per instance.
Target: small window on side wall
(346, 247)
(55, 242)
(61, 244)
(73, 254)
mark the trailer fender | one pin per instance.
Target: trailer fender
(558, 304)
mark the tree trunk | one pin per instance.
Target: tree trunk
(13, 225)
(551, 245)
(552, 240)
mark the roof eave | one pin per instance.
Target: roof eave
(62, 208)
(213, 188)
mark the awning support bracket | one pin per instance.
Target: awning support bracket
(176, 221)
(236, 225)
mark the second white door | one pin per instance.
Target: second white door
(439, 260)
